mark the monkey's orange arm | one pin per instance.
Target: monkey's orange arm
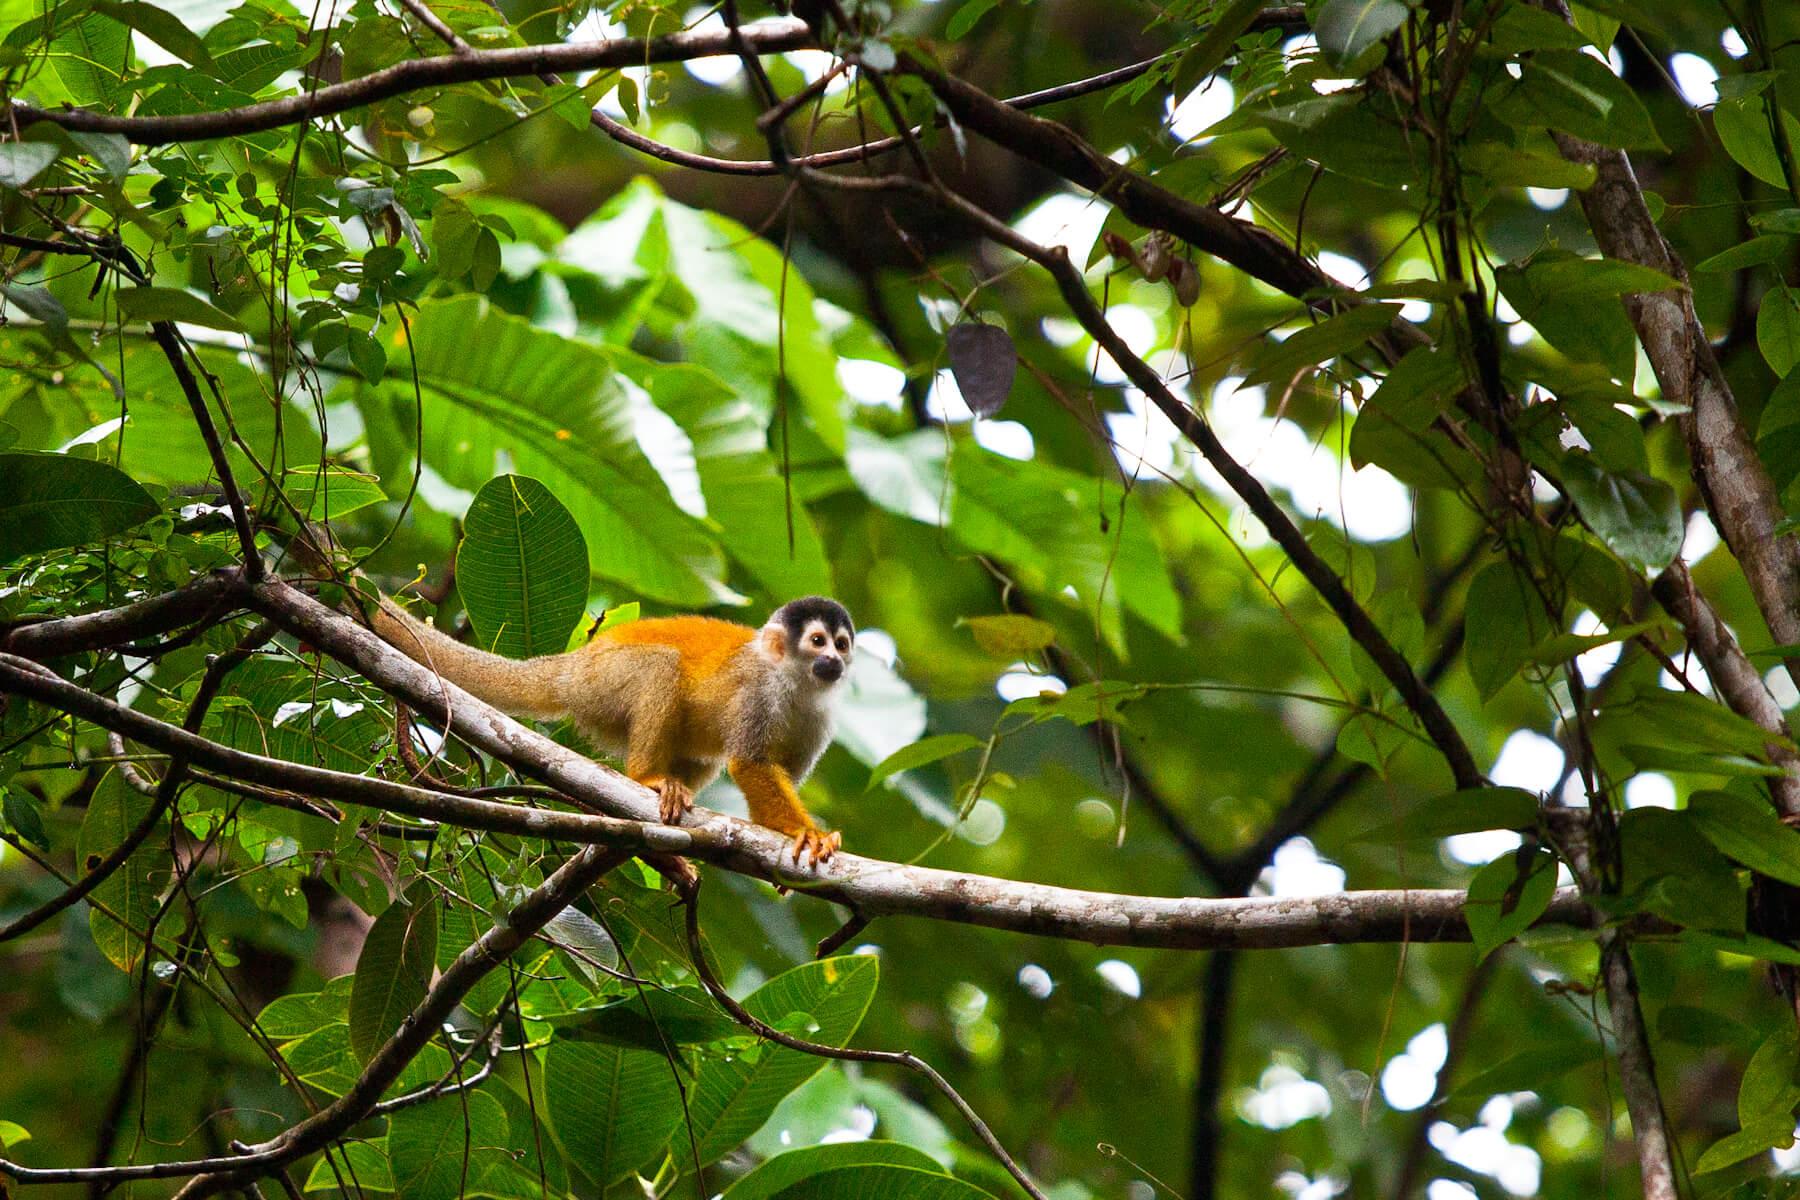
(769, 791)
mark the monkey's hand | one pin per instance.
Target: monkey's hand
(816, 844)
(675, 799)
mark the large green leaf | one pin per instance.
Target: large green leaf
(131, 890)
(785, 1170)
(881, 1182)
(732, 1097)
(500, 394)
(614, 1107)
(1750, 832)
(740, 478)
(1575, 93)
(441, 1150)
(521, 568)
(48, 501)
(1634, 513)
(394, 968)
(1506, 619)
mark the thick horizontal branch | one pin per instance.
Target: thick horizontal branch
(869, 886)
(207, 596)
(763, 37)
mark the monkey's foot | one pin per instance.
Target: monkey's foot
(816, 844)
(676, 798)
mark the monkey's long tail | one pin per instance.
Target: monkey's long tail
(529, 687)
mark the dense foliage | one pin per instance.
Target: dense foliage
(1354, 446)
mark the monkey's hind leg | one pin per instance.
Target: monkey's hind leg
(651, 746)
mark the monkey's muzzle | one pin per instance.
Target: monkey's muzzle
(828, 670)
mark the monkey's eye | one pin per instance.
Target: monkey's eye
(818, 639)
(843, 645)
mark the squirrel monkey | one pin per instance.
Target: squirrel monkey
(678, 697)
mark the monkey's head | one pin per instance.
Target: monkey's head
(813, 636)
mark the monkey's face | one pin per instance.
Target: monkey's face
(816, 638)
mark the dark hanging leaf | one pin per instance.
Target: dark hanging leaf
(983, 360)
(48, 501)
(22, 814)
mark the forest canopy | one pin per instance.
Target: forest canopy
(1316, 485)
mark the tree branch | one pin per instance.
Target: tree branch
(206, 598)
(868, 886)
(764, 37)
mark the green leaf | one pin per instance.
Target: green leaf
(367, 356)
(1753, 253)
(131, 891)
(882, 1182)
(1684, 719)
(1278, 362)
(1634, 513)
(1771, 1084)
(1778, 329)
(48, 501)
(553, 407)
(333, 493)
(614, 1108)
(1589, 327)
(12, 1134)
(364, 1161)
(163, 28)
(1561, 647)
(1778, 220)
(21, 162)
(1469, 811)
(1505, 165)
(920, 753)
(1507, 895)
(521, 568)
(1010, 635)
(584, 943)
(394, 969)
(1505, 620)
(1750, 832)
(1204, 57)
(21, 812)
(1584, 279)
(1578, 94)
(653, 1021)
(1671, 870)
(1418, 387)
(731, 1098)
(1746, 1143)
(174, 304)
(1742, 123)
(442, 1151)
(785, 1170)
(966, 17)
(299, 1014)
(1345, 28)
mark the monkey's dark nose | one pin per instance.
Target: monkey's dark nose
(828, 668)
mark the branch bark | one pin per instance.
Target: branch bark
(765, 37)
(871, 887)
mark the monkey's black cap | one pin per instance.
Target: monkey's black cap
(795, 614)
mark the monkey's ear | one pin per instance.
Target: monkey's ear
(774, 640)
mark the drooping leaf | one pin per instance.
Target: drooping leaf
(522, 568)
(922, 753)
(1507, 895)
(394, 969)
(1317, 344)
(1778, 329)
(21, 162)
(1506, 619)
(1750, 832)
(983, 360)
(48, 501)
(1634, 513)
(132, 889)
(731, 1098)
(614, 1108)
(1572, 92)
(1011, 635)
(174, 304)
(1469, 811)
